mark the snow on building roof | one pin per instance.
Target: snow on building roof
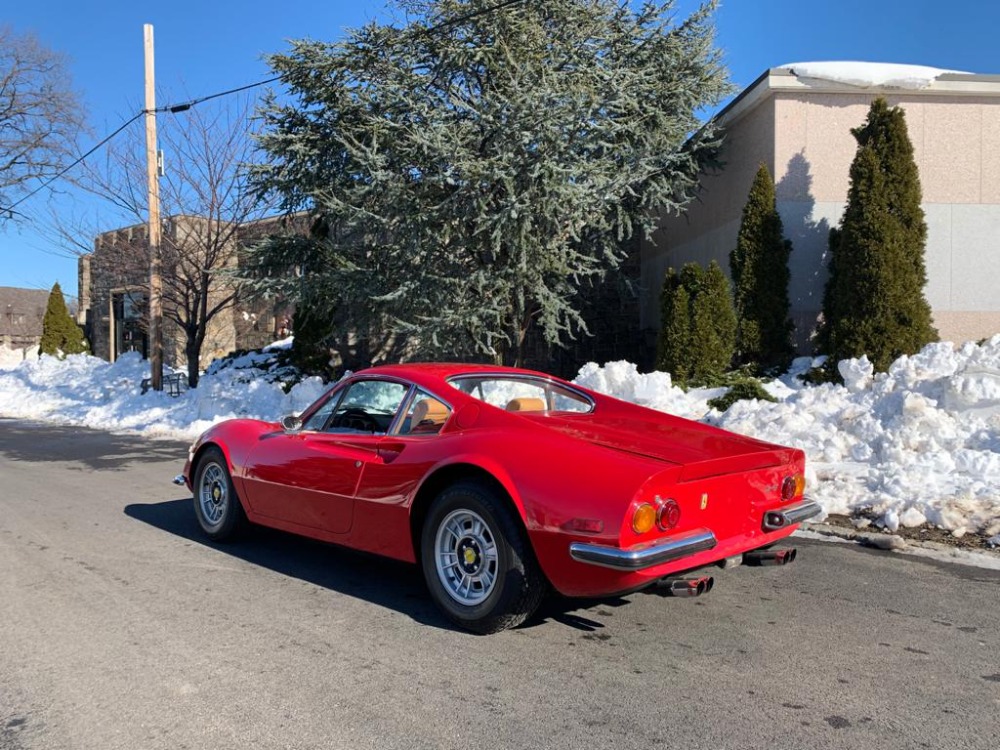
(868, 75)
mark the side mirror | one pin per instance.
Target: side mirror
(291, 423)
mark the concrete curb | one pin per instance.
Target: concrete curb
(896, 543)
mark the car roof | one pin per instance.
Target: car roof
(448, 369)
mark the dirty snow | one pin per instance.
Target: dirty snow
(868, 75)
(919, 444)
(84, 390)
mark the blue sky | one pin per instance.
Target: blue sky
(204, 47)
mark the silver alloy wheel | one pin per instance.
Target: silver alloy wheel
(466, 558)
(213, 493)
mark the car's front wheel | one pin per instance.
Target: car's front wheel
(216, 505)
(477, 560)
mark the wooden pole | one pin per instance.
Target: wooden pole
(155, 279)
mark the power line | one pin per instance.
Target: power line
(467, 16)
(70, 166)
(175, 108)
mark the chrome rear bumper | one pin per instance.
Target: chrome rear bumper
(643, 557)
(793, 514)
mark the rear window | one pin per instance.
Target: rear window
(523, 393)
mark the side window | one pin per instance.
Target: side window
(426, 415)
(319, 417)
(367, 406)
(523, 393)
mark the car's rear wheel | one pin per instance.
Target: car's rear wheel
(216, 505)
(477, 560)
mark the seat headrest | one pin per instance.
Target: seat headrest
(429, 410)
(526, 404)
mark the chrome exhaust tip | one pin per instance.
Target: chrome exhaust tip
(179, 480)
(686, 586)
(770, 556)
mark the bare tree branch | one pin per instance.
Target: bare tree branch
(40, 116)
(207, 202)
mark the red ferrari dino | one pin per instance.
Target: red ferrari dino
(501, 482)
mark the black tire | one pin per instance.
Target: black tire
(216, 504)
(490, 545)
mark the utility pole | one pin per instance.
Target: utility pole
(152, 174)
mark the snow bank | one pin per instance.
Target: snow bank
(868, 75)
(87, 391)
(919, 444)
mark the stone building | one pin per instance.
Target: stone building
(114, 289)
(797, 121)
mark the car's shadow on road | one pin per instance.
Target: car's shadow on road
(387, 583)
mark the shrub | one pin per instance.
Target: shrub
(874, 300)
(60, 333)
(743, 389)
(759, 266)
(698, 329)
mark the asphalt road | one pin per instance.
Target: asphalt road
(120, 627)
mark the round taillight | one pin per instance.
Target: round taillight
(668, 516)
(793, 487)
(643, 518)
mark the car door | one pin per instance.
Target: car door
(416, 445)
(310, 477)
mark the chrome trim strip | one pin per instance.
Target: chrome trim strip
(780, 518)
(675, 548)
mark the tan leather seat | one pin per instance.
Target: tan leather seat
(526, 404)
(428, 415)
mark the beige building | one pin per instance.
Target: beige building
(114, 287)
(798, 122)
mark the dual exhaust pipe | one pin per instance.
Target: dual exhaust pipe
(769, 556)
(703, 584)
(685, 586)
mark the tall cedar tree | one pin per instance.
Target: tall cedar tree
(759, 267)
(60, 333)
(474, 177)
(698, 333)
(874, 299)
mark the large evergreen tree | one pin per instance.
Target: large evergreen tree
(874, 300)
(698, 325)
(759, 267)
(60, 333)
(475, 167)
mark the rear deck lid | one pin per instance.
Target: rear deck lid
(701, 450)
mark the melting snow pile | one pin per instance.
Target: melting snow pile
(919, 444)
(87, 391)
(867, 75)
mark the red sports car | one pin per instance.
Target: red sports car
(502, 482)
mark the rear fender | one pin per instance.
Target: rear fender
(485, 464)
